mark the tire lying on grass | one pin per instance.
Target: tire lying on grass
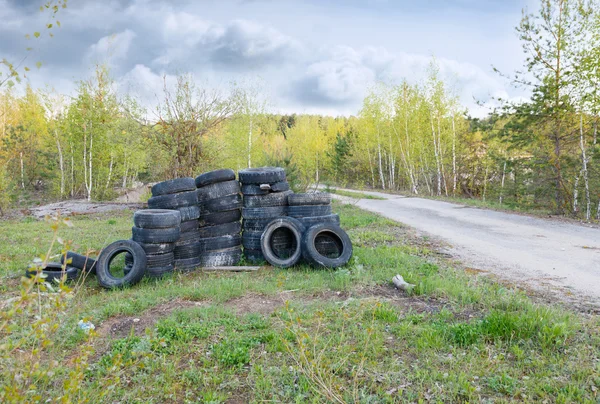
(173, 186)
(219, 258)
(86, 264)
(187, 265)
(251, 239)
(54, 272)
(254, 256)
(332, 233)
(214, 177)
(281, 242)
(173, 201)
(156, 218)
(155, 236)
(133, 276)
(157, 248)
(262, 175)
(309, 210)
(311, 198)
(220, 243)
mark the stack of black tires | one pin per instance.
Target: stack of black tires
(220, 204)
(265, 193)
(180, 194)
(312, 208)
(156, 231)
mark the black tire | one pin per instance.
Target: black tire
(214, 177)
(217, 190)
(192, 250)
(311, 198)
(280, 186)
(155, 236)
(289, 252)
(216, 218)
(173, 186)
(222, 204)
(262, 175)
(188, 236)
(220, 258)
(173, 201)
(54, 272)
(190, 225)
(220, 243)
(254, 190)
(272, 199)
(189, 213)
(159, 272)
(86, 264)
(310, 243)
(309, 210)
(251, 240)
(311, 221)
(264, 213)
(157, 261)
(138, 268)
(159, 248)
(156, 218)
(220, 230)
(254, 256)
(256, 224)
(328, 246)
(187, 265)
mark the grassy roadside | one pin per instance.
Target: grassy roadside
(351, 194)
(306, 335)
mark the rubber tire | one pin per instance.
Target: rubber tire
(216, 218)
(309, 210)
(213, 177)
(156, 218)
(313, 257)
(190, 225)
(161, 260)
(188, 236)
(264, 213)
(138, 269)
(173, 186)
(280, 186)
(220, 230)
(155, 236)
(261, 175)
(251, 240)
(189, 213)
(192, 250)
(79, 261)
(272, 199)
(217, 190)
(173, 201)
(311, 221)
(254, 190)
(187, 265)
(220, 243)
(222, 204)
(223, 257)
(157, 248)
(254, 256)
(159, 272)
(312, 198)
(54, 270)
(270, 253)
(256, 224)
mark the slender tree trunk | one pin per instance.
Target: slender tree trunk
(441, 154)
(317, 170)
(22, 170)
(61, 165)
(110, 169)
(576, 192)
(485, 181)
(371, 167)
(381, 177)
(72, 170)
(437, 160)
(502, 183)
(126, 171)
(454, 174)
(250, 145)
(584, 162)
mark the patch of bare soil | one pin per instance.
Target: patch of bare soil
(78, 207)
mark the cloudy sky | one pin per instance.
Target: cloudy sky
(312, 56)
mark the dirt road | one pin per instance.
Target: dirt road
(549, 256)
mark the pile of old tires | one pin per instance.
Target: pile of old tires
(180, 195)
(265, 191)
(220, 204)
(156, 231)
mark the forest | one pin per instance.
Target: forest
(414, 138)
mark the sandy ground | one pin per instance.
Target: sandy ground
(549, 256)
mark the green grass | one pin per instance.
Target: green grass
(353, 194)
(322, 336)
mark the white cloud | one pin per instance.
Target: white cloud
(111, 48)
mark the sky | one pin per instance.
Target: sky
(309, 56)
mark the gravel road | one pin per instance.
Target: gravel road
(550, 256)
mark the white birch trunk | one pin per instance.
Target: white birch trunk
(22, 171)
(437, 160)
(72, 170)
(584, 162)
(485, 181)
(371, 167)
(61, 165)
(576, 193)
(381, 177)
(502, 182)
(454, 174)
(110, 169)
